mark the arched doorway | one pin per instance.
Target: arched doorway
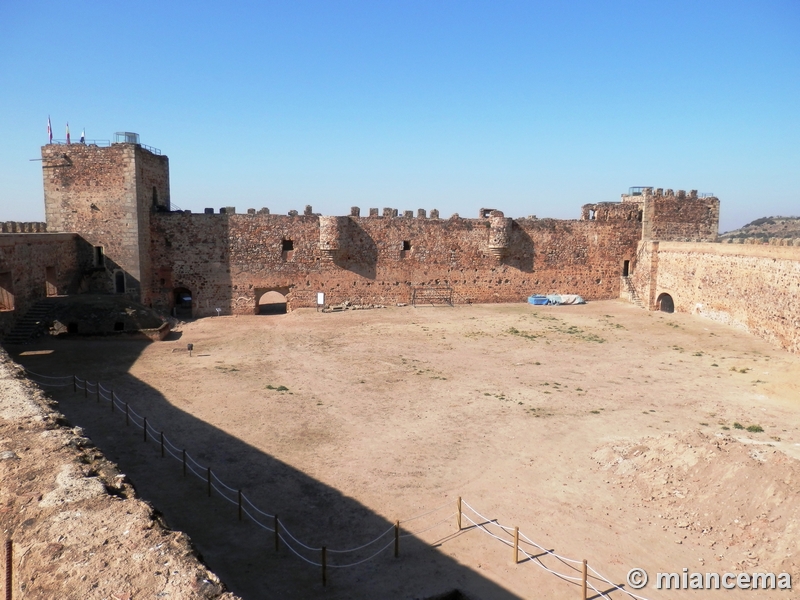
(272, 303)
(665, 303)
(182, 299)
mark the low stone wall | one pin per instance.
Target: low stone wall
(755, 287)
(77, 529)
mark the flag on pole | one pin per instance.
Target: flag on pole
(49, 131)
(83, 136)
(68, 133)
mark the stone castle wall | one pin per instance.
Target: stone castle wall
(106, 195)
(228, 260)
(678, 217)
(36, 265)
(755, 287)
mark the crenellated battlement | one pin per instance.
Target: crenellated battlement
(26, 227)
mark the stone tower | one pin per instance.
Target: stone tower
(107, 195)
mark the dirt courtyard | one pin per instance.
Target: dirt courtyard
(604, 432)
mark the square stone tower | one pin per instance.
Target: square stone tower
(107, 195)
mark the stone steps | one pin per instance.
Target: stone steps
(32, 324)
(633, 297)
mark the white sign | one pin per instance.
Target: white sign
(320, 298)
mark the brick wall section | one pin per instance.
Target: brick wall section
(105, 194)
(24, 259)
(229, 260)
(756, 287)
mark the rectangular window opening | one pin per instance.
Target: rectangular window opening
(287, 246)
(99, 257)
(406, 245)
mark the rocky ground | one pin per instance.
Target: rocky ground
(77, 528)
(605, 432)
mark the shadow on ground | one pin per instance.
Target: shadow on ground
(241, 553)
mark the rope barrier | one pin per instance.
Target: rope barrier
(364, 545)
(167, 445)
(51, 384)
(624, 591)
(430, 512)
(47, 376)
(428, 528)
(311, 562)
(246, 499)
(214, 475)
(256, 521)
(283, 528)
(364, 560)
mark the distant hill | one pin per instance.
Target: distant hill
(767, 227)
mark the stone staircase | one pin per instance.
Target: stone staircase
(33, 324)
(633, 297)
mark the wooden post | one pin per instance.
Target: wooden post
(583, 582)
(127, 418)
(516, 545)
(184, 463)
(162, 444)
(145, 429)
(396, 539)
(458, 513)
(208, 479)
(8, 569)
(240, 505)
(324, 566)
(277, 536)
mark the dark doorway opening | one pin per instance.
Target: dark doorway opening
(183, 303)
(272, 303)
(626, 268)
(665, 303)
(119, 282)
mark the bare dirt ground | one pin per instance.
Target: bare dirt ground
(603, 431)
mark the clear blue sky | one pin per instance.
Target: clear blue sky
(528, 107)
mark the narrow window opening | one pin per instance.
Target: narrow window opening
(591, 214)
(155, 197)
(119, 282)
(639, 216)
(406, 245)
(626, 266)
(99, 257)
(287, 246)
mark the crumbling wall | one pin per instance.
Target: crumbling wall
(678, 217)
(225, 259)
(31, 261)
(756, 287)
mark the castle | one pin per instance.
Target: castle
(110, 228)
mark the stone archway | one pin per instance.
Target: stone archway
(665, 303)
(271, 302)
